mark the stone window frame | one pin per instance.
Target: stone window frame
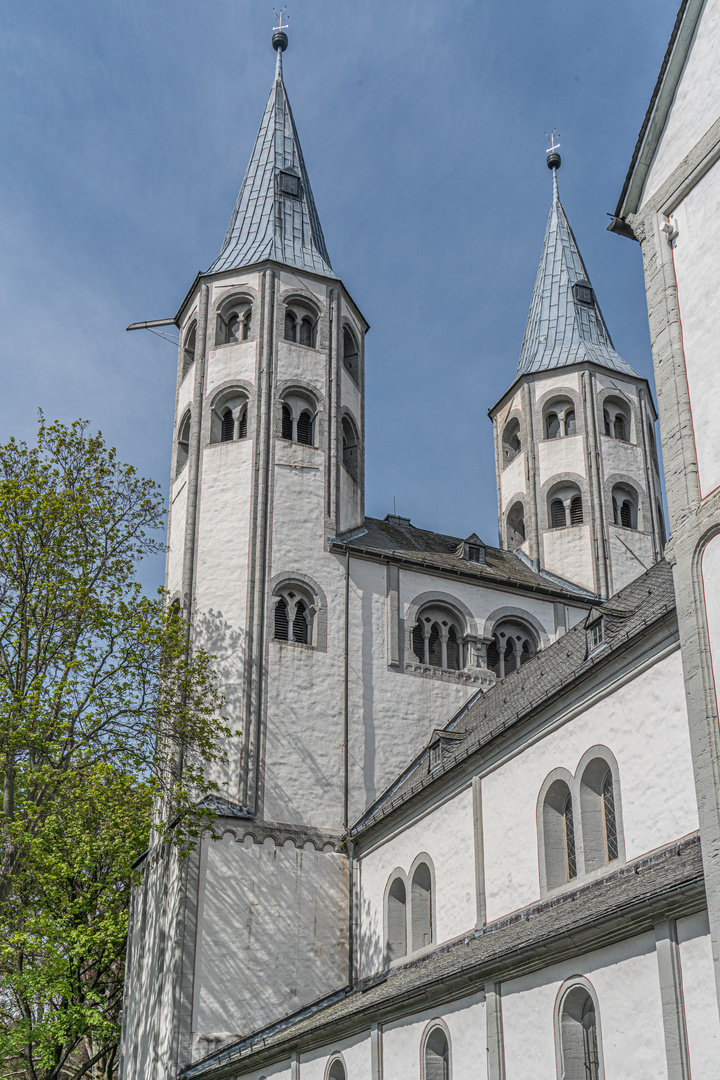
(644, 513)
(241, 300)
(554, 484)
(544, 406)
(513, 416)
(398, 874)
(411, 664)
(311, 592)
(335, 1057)
(575, 982)
(231, 390)
(300, 395)
(588, 864)
(436, 1024)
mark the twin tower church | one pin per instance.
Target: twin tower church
(449, 839)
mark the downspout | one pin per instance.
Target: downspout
(346, 709)
(650, 479)
(351, 916)
(589, 402)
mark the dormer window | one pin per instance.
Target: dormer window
(440, 742)
(473, 553)
(596, 634)
(582, 291)
(290, 184)
(472, 549)
(435, 755)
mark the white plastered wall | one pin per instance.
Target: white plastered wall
(696, 105)
(658, 802)
(698, 982)
(697, 274)
(465, 1022)
(568, 552)
(566, 380)
(512, 479)
(447, 836)
(625, 979)
(564, 455)
(356, 1054)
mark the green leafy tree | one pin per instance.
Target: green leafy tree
(96, 679)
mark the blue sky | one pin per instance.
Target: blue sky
(126, 129)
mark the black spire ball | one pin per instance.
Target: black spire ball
(280, 40)
(554, 160)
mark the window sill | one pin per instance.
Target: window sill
(294, 644)
(467, 676)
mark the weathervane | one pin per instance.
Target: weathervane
(554, 147)
(280, 18)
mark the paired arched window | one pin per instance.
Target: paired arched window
(625, 506)
(578, 1037)
(351, 355)
(616, 419)
(512, 645)
(351, 450)
(294, 614)
(436, 1055)
(189, 347)
(183, 443)
(579, 822)
(298, 420)
(229, 417)
(300, 326)
(565, 507)
(234, 322)
(560, 419)
(409, 914)
(511, 445)
(437, 638)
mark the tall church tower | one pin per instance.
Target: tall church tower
(577, 470)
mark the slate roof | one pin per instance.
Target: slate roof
(268, 223)
(552, 672)
(617, 906)
(396, 539)
(561, 330)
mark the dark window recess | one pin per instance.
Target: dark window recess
(434, 650)
(473, 553)
(582, 291)
(570, 425)
(453, 650)
(557, 514)
(576, 510)
(620, 428)
(553, 426)
(596, 634)
(435, 755)
(611, 841)
(242, 426)
(300, 624)
(228, 426)
(286, 422)
(290, 322)
(306, 332)
(570, 839)
(607, 422)
(493, 656)
(418, 642)
(233, 329)
(304, 428)
(281, 620)
(626, 514)
(247, 325)
(290, 184)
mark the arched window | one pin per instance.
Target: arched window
(616, 419)
(619, 427)
(228, 426)
(558, 835)
(287, 422)
(437, 638)
(233, 329)
(189, 348)
(351, 357)
(578, 1036)
(576, 510)
(290, 326)
(515, 526)
(601, 840)
(304, 428)
(511, 647)
(295, 611)
(552, 426)
(396, 944)
(570, 426)
(350, 448)
(421, 907)
(307, 331)
(626, 514)
(511, 445)
(558, 519)
(436, 1056)
(336, 1070)
(625, 506)
(183, 444)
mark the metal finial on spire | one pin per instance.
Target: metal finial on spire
(280, 38)
(553, 158)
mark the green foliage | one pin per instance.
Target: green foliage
(97, 686)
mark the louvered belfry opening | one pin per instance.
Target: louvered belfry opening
(307, 332)
(282, 624)
(287, 422)
(300, 624)
(242, 425)
(576, 510)
(558, 518)
(619, 428)
(304, 428)
(228, 426)
(626, 514)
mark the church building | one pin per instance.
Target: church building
(469, 824)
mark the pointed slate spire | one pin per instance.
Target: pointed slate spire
(275, 215)
(565, 324)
